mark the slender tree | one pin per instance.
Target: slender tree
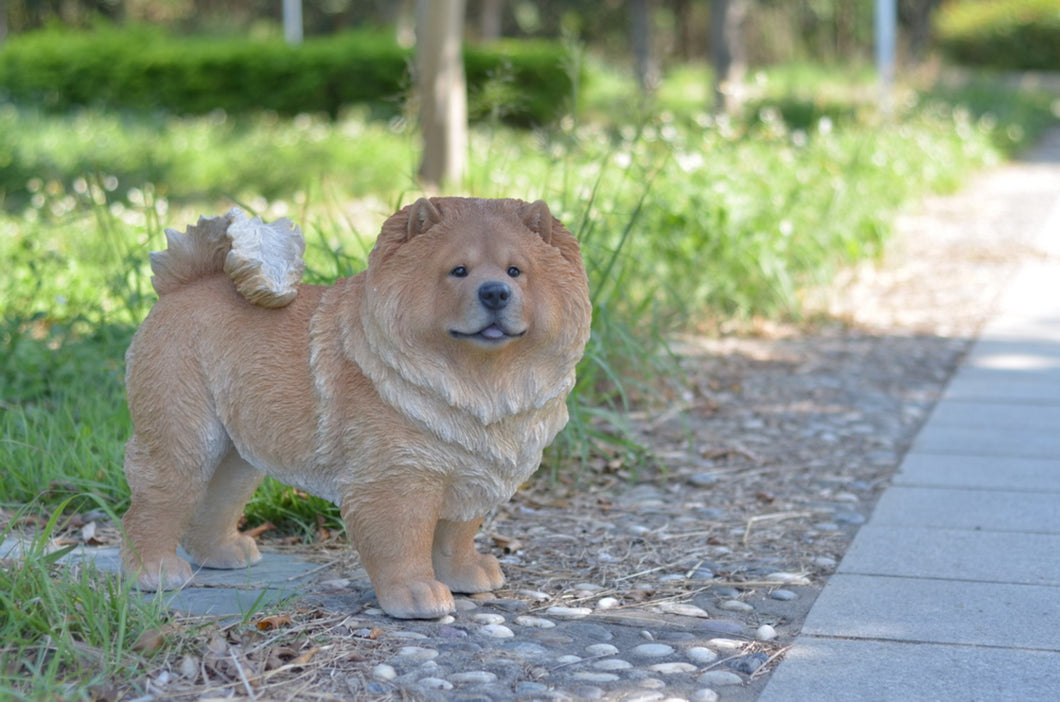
(442, 91)
(728, 53)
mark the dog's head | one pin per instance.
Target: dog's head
(469, 288)
(480, 273)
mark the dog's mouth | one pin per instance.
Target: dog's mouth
(491, 334)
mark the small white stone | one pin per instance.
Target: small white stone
(652, 650)
(588, 676)
(568, 659)
(534, 622)
(652, 684)
(685, 610)
(464, 605)
(601, 649)
(417, 653)
(607, 603)
(447, 619)
(765, 633)
(727, 644)
(701, 655)
(735, 606)
(788, 578)
(704, 695)
(384, 671)
(612, 664)
(672, 668)
(568, 612)
(719, 678)
(588, 587)
(435, 684)
(496, 631)
(535, 595)
(487, 618)
(474, 677)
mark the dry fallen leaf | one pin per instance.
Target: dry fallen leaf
(152, 639)
(275, 622)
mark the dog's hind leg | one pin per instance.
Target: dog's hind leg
(212, 538)
(166, 487)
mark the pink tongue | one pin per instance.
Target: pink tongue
(492, 332)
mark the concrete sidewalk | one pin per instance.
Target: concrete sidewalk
(951, 591)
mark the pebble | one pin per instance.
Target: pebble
(783, 595)
(535, 595)
(646, 696)
(672, 668)
(568, 612)
(417, 653)
(765, 633)
(474, 677)
(722, 626)
(735, 606)
(487, 618)
(568, 659)
(535, 622)
(435, 684)
(704, 480)
(685, 610)
(750, 663)
(704, 695)
(384, 671)
(497, 631)
(588, 676)
(601, 649)
(612, 664)
(701, 655)
(727, 644)
(788, 578)
(607, 603)
(652, 650)
(719, 678)
(849, 518)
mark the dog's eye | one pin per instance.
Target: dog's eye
(459, 272)
(514, 272)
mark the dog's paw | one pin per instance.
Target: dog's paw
(237, 552)
(482, 574)
(166, 573)
(417, 599)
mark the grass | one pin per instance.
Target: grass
(66, 633)
(686, 221)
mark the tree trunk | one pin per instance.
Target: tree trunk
(442, 91)
(489, 20)
(640, 34)
(728, 53)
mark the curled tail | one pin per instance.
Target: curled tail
(263, 260)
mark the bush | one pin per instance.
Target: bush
(1002, 34)
(142, 68)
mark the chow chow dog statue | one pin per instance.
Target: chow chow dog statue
(417, 395)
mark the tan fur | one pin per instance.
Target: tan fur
(378, 393)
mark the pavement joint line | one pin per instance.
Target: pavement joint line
(917, 642)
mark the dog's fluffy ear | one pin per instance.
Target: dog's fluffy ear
(538, 219)
(422, 216)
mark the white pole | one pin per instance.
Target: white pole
(886, 31)
(292, 21)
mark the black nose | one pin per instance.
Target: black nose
(494, 295)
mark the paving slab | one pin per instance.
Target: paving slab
(959, 612)
(980, 472)
(1041, 418)
(1018, 442)
(965, 508)
(980, 384)
(882, 671)
(961, 554)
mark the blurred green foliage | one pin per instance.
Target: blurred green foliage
(1002, 34)
(145, 68)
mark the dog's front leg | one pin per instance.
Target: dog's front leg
(458, 564)
(392, 527)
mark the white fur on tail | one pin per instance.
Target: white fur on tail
(264, 260)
